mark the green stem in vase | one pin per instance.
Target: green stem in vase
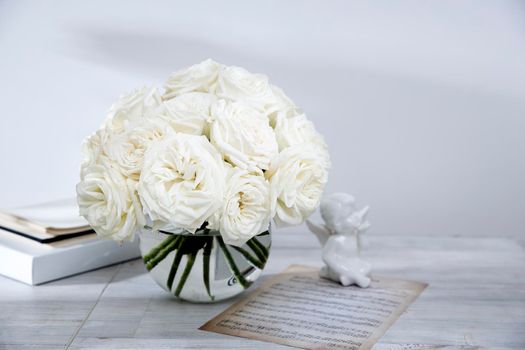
(261, 246)
(155, 251)
(186, 272)
(176, 261)
(256, 250)
(233, 267)
(249, 257)
(163, 253)
(206, 265)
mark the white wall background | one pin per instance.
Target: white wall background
(422, 103)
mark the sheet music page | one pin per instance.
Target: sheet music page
(300, 309)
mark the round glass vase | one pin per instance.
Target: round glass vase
(200, 267)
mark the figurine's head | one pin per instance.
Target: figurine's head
(341, 215)
(335, 208)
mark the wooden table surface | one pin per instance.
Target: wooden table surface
(475, 298)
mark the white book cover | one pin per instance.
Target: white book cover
(32, 262)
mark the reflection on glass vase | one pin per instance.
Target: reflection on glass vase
(200, 267)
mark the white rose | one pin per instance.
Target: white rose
(200, 77)
(246, 210)
(117, 138)
(295, 131)
(131, 108)
(281, 106)
(91, 150)
(189, 113)
(107, 200)
(243, 135)
(297, 179)
(127, 149)
(237, 84)
(182, 181)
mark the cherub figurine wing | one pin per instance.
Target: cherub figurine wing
(320, 231)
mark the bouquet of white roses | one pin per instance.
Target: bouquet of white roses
(217, 148)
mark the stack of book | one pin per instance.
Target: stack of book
(45, 242)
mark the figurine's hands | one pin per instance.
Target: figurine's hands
(357, 222)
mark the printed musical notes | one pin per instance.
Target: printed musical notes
(298, 308)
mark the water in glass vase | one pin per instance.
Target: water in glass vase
(200, 267)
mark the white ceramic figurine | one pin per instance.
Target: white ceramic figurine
(340, 238)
